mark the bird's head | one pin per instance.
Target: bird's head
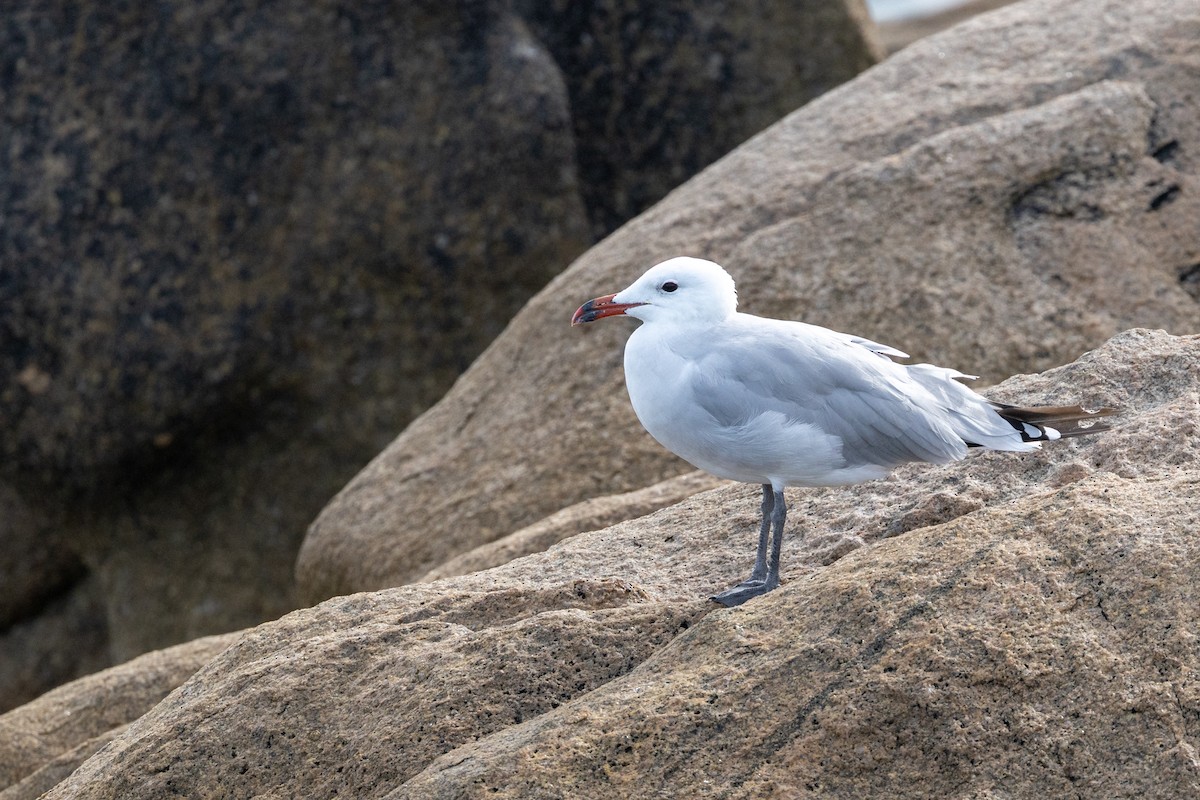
(682, 289)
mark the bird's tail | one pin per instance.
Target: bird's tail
(1046, 423)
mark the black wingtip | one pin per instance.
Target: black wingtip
(1035, 423)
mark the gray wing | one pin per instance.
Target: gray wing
(824, 379)
(876, 347)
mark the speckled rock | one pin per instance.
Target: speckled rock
(66, 638)
(470, 661)
(1029, 651)
(242, 243)
(52, 735)
(51, 620)
(1030, 640)
(590, 515)
(58, 768)
(209, 202)
(996, 198)
(661, 89)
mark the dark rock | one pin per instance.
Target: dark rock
(36, 566)
(242, 244)
(208, 206)
(660, 90)
(66, 638)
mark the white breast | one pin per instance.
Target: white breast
(666, 372)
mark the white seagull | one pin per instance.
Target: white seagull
(790, 404)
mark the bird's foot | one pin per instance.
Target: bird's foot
(739, 594)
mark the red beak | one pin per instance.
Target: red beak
(601, 307)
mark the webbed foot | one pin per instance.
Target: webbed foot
(739, 594)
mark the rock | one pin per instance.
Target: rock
(57, 769)
(426, 656)
(1026, 664)
(1033, 639)
(600, 512)
(996, 198)
(244, 244)
(240, 244)
(661, 89)
(227, 197)
(65, 639)
(58, 731)
(37, 566)
(49, 611)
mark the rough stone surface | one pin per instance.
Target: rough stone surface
(660, 89)
(244, 243)
(1024, 664)
(66, 638)
(1010, 626)
(58, 768)
(36, 564)
(51, 618)
(241, 243)
(996, 198)
(43, 741)
(590, 515)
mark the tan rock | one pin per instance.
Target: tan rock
(59, 730)
(996, 198)
(1031, 639)
(590, 515)
(58, 768)
(1040, 648)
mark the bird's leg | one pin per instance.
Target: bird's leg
(764, 534)
(765, 576)
(778, 518)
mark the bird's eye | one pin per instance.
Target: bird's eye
(669, 286)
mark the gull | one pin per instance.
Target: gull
(782, 403)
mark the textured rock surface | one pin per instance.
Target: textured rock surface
(244, 243)
(590, 515)
(992, 656)
(1013, 625)
(237, 236)
(66, 638)
(208, 202)
(54, 734)
(36, 566)
(996, 198)
(51, 619)
(57, 769)
(660, 89)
